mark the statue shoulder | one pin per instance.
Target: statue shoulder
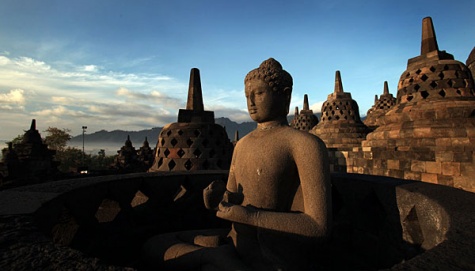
(300, 139)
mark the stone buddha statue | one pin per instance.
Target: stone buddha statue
(278, 194)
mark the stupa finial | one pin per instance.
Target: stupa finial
(429, 41)
(195, 96)
(338, 83)
(33, 125)
(386, 88)
(296, 110)
(236, 136)
(375, 98)
(305, 102)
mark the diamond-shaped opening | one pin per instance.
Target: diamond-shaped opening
(158, 151)
(441, 75)
(418, 71)
(180, 153)
(197, 153)
(174, 142)
(442, 93)
(411, 80)
(409, 98)
(433, 84)
(341, 112)
(160, 162)
(337, 107)
(417, 87)
(424, 94)
(412, 230)
(446, 67)
(196, 132)
(450, 83)
(424, 77)
(188, 164)
(432, 68)
(337, 117)
(330, 108)
(139, 198)
(346, 117)
(171, 165)
(457, 74)
(206, 164)
(458, 92)
(169, 132)
(205, 142)
(180, 132)
(189, 142)
(107, 211)
(166, 152)
(162, 141)
(329, 118)
(211, 153)
(333, 112)
(408, 74)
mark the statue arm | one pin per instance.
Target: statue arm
(313, 221)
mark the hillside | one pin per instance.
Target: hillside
(111, 141)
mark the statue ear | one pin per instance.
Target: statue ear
(288, 95)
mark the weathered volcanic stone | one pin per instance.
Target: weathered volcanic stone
(195, 142)
(340, 125)
(305, 120)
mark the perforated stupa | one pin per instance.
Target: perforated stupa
(195, 142)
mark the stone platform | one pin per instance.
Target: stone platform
(100, 223)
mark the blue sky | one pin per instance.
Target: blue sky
(125, 64)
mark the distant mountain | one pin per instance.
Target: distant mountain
(114, 140)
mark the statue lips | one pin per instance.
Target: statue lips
(252, 110)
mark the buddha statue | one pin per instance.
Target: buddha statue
(278, 194)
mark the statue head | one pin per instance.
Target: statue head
(268, 90)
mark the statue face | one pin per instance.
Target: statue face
(263, 103)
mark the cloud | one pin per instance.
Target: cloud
(317, 107)
(90, 68)
(68, 96)
(15, 96)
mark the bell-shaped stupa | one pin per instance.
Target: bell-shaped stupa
(340, 124)
(429, 134)
(305, 120)
(471, 62)
(381, 105)
(195, 142)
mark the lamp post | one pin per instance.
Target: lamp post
(83, 131)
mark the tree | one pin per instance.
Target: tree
(56, 138)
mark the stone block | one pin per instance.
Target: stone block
(429, 177)
(464, 182)
(393, 164)
(451, 168)
(445, 180)
(443, 142)
(444, 156)
(433, 167)
(368, 155)
(422, 132)
(466, 156)
(418, 166)
(460, 141)
(410, 175)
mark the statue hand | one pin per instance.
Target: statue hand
(234, 198)
(237, 213)
(213, 194)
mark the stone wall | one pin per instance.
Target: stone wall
(100, 223)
